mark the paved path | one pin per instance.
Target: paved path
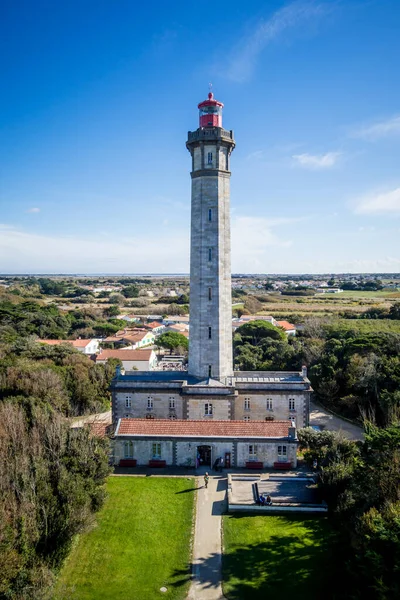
(324, 419)
(207, 551)
(104, 417)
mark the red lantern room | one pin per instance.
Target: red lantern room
(210, 112)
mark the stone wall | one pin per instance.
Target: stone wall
(220, 408)
(180, 452)
(143, 450)
(161, 405)
(187, 407)
(267, 452)
(259, 402)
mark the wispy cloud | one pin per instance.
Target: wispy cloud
(24, 251)
(379, 129)
(379, 203)
(317, 161)
(33, 210)
(243, 59)
(252, 241)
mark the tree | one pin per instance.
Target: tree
(112, 311)
(394, 312)
(117, 299)
(258, 330)
(131, 291)
(172, 341)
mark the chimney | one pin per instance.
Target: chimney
(304, 371)
(292, 431)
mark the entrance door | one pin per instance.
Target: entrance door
(204, 456)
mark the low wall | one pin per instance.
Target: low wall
(277, 508)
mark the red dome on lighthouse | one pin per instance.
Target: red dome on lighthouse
(210, 112)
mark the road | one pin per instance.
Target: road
(324, 419)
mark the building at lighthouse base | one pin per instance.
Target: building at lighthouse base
(141, 442)
(252, 399)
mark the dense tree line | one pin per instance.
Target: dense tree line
(47, 322)
(51, 476)
(51, 482)
(360, 481)
(353, 371)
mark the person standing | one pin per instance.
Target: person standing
(206, 480)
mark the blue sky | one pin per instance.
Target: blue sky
(97, 98)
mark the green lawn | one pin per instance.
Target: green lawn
(276, 557)
(141, 543)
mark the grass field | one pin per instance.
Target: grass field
(276, 557)
(368, 325)
(141, 543)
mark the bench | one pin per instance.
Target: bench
(252, 464)
(157, 463)
(127, 462)
(283, 466)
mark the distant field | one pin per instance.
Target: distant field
(269, 557)
(358, 294)
(369, 325)
(141, 543)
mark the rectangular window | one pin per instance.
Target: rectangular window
(150, 402)
(128, 450)
(292, 405)
(252, 452)
(210, 214)
(210, 294)
(210, 254)
(247, 404)
(171, 402)
(128, 401)
(209, 370)
(208, 409)
(282, 452)
(269, 404)
(209, 158)
(246, 418)
(157, 450)
(209, 333)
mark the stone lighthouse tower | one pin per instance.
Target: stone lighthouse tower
(210, 342)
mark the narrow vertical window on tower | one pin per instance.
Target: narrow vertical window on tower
(210, 254)
(210, 214)
(210, 294)
(209, 158)
(209, 333)
(209, 370)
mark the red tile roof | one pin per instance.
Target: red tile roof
(183, 428)
(124, 354)
(286, 325)
(74, 343)
(154, 325)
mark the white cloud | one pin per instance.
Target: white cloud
(24, 252)
(252, 240)
(168, 252)
(384, 203)
(243, 59)
(33, 210)
(378, 130)
(317, 161)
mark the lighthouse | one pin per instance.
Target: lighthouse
(210, 341)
